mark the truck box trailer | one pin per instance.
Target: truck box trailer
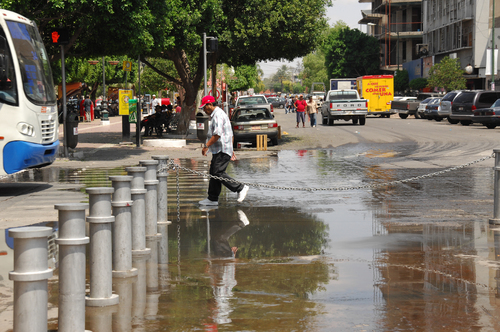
(379, 91)
(343, 84)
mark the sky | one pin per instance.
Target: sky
(348, 11)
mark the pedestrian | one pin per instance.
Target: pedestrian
(154, 103)
(289, 105)
(301, 105)
(88, 105)
(312, 111)
(293, 103)
(220, 144)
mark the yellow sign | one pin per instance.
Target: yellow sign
(123, 97)
(127, 65)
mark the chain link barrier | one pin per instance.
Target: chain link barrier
(174, 166)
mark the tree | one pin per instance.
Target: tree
(282, 75)
(447, 75)
(248, 31)
(418, 83)
(314, 68)
(350, 53)
(401, 80)
(243, 78)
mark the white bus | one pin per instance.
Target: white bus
(28, 113)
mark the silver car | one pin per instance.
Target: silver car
(249, 121)
(446, 103)
(421, 107)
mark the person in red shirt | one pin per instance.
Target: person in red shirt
(301, 105)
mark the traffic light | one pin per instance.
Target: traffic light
(59, 36)
(212, 44)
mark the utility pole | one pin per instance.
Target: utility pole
(493, 67)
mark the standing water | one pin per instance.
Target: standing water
(418, 256)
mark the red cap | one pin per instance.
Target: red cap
(207, 99)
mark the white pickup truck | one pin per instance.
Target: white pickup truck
(344, 105)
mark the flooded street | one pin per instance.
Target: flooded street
(415, 256)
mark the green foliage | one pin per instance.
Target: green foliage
(447, 75)
(418, 83)
(314, 68)
(248, 31)
(152, 82)
(401, 80)
(244, 77)
(350, 53)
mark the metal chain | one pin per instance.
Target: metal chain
(172, 165)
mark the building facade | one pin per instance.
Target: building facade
(397, 24)
(460, 29)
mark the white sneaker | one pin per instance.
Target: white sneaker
(243, 217)
(208, 202)
(243, 193)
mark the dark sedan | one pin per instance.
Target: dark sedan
(277, 102)
(490, 117)
(249, 121)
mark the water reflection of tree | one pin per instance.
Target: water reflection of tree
(283, 232)
(300, 278)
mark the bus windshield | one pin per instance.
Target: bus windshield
(8, 87)
(34, 63)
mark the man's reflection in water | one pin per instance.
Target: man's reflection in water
(221, 267)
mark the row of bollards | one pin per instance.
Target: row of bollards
(127, 231)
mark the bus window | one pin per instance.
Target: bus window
(34, 63)
(8, 87)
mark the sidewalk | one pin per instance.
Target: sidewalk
(103, 146)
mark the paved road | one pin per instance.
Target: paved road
(410, 143)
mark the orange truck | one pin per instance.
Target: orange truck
(379, 91)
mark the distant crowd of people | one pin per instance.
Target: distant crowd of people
(300, 106)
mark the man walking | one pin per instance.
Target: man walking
(220, 144)
(88, 106)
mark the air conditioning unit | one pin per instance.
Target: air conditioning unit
(422, 49)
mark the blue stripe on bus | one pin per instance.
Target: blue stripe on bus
(18, 155)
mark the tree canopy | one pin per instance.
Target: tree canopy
(315, 69)
(447, 75)
(350, 52)
(401, 80)
(248, 31)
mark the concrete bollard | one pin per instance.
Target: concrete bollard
(162, 189)
(100, 219)
(151, 183)
(138, 192)
(496, 192)
(30, 277)
(72, 244)
(152, 266)
(163, 243)
(122, 227)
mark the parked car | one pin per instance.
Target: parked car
(469, 101)
(406, 107)
(255, 100)
(432, 109)
(421, 108)
(446, 104)
(277, 102)
(490, 117)
(249, 121)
